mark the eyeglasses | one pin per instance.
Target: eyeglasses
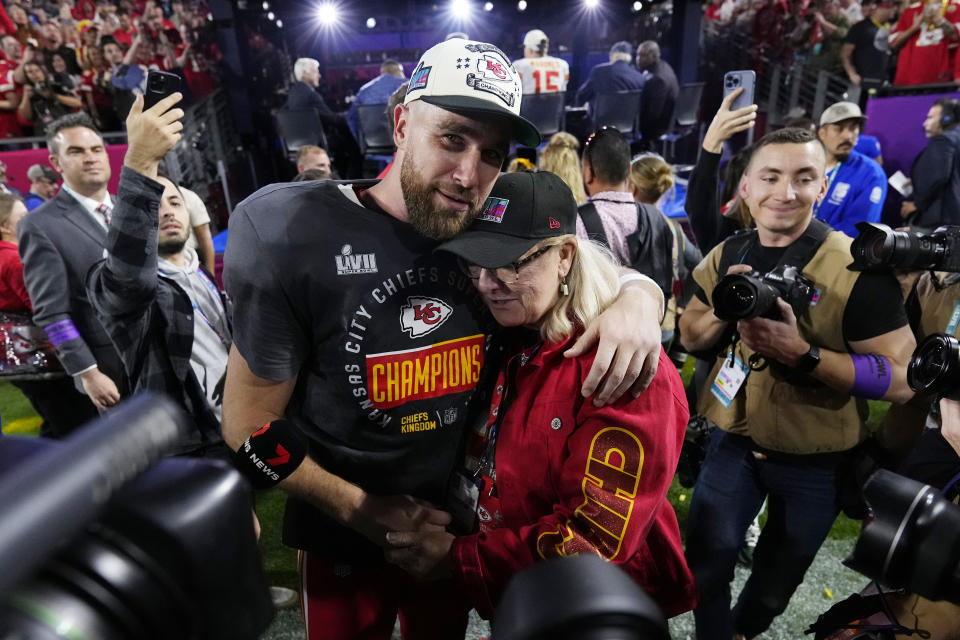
(507, 274)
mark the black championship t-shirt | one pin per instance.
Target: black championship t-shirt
(385, 337)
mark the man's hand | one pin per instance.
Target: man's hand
(423, 554)
(777, 339)
(726, 123)
(907, 209)
(628, 353)
(855, 78)
(950, 423)
(152, 133)
(101, 390)
(376, 515)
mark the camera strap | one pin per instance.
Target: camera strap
(738, 247)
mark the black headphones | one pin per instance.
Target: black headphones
(949, 113)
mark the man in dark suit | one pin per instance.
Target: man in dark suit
(659, 93)
(59, 242)
(303, 96)
(617, 75)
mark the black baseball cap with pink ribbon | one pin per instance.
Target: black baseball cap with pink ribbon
(524, 208)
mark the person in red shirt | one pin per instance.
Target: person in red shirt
(548, 473)
(13, 292)
(124, 35)
(926, 37)
(9, 96)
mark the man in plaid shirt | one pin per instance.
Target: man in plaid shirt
(162, 312)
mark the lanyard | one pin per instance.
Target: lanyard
(196, 309)
(830, 177)
(496, 415)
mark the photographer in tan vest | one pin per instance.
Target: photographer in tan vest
(788, 390)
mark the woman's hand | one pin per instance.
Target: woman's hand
(423, 554)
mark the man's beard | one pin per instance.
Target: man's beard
(437, 223)
(171, 247)
(843, 155)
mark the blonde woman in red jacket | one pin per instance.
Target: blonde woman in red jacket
(547, 473)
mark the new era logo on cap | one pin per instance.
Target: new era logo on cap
(554, 223)
(493, 210)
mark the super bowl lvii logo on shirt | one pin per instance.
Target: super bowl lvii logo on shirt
(350, 263)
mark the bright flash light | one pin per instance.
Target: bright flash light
(591, 4)
(637, 6)
(279, 24)
(328, 14)
(460, 9)
(488, 6)
(371, 23)
(266, 5)
(270, 16)
(522, 5)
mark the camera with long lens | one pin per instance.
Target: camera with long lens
(934, 367)
(741, 296)
(97, 541)
(879, 247)
(580, 597)
(912, 540)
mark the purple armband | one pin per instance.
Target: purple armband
(871, 377)
(63, 331)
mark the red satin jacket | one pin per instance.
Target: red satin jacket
(573, 478)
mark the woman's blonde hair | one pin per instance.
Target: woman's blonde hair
(593, 282)
(651, 176)
(561, 157)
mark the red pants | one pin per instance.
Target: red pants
(340, 601)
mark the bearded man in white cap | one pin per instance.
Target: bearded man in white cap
(360, 348)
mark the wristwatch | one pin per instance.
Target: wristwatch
(809, 361)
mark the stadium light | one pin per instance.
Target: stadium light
(488, 6)
(637, 6)
(270, 16)
(279, 24)
(328, 14)
(371, 23)
(522, 5)
(591, 4)
(460, 9)
(266, 5)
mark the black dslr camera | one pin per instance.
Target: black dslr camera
(934, 367)
(97, 541)
(742, 296)
(913, 539)
(880, 247)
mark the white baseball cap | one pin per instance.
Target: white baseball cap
(533, 39)
(465, 76)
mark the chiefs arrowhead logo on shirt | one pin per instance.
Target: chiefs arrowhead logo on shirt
(421, 315)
